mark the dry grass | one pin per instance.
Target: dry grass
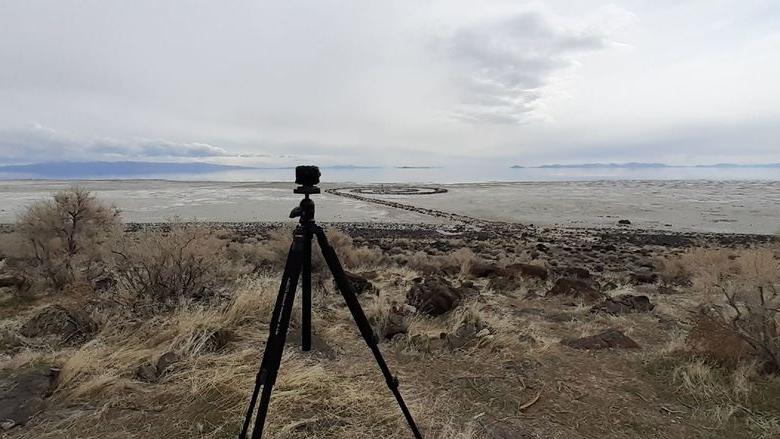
(499, 352)
(271, 252)
(456, 262)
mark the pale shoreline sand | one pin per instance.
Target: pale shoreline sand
(696, 205)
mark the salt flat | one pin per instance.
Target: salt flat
(709, 206)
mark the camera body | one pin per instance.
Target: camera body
(308, 177)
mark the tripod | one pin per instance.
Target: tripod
(299, 265)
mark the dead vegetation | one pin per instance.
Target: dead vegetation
(63, 240)
(493, 360)
(184, 263)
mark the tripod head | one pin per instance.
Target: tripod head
(308, 177)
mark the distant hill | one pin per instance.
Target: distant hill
(639, 165)
(108, 169)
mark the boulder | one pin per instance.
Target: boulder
(504, 283)
(463, 337)
(166, 362)
(73, 326)
(575, 272)
(574, 288)
(146, 373)
(484, 269)
(624, 222)
(396, 324)
(609, 339)
(528, 270)
(12, 281)
(360, 284)
(23, 395)
(644, 277)
(434, 296)
(624, 304)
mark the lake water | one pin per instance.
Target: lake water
(475, 173)
(727, 206)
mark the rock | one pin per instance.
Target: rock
(644, 277)
(104, 283)
(23, 395)
(484, 269)
(504, 283)
(165, 363)
(360, 284)
(7, 280)
(146, 373)
(624, 222)
(609, 339)
(434, 296)
(15, 282)
(541, 247)
(574, 288)
(464, 337)
(624, 304)
(576, 272)
(528, 270)
(73, 326)
(396, 324)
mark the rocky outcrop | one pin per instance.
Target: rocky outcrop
(624, 304)
(644, 277)
(575, 288)
(360, 284)
(484, 269)
(152, 373)
(436, 295)
(23, 395)
(609, 339)
(72, 326)
(528, 271)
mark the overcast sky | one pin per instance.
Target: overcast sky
(390, 82)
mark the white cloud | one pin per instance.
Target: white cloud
(507, 62)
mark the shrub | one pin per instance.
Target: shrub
(64, 239)
(749, 307)
(187, 262)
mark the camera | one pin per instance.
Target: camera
(308, 177)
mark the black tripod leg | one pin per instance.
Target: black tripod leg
(306, 292)
(272, 356)
(260, 378)
(362, 323)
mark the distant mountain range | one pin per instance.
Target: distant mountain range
(638, 165)
(108, 169)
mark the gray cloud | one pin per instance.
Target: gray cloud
(387, 82)
(507, 62)
(39, 143)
